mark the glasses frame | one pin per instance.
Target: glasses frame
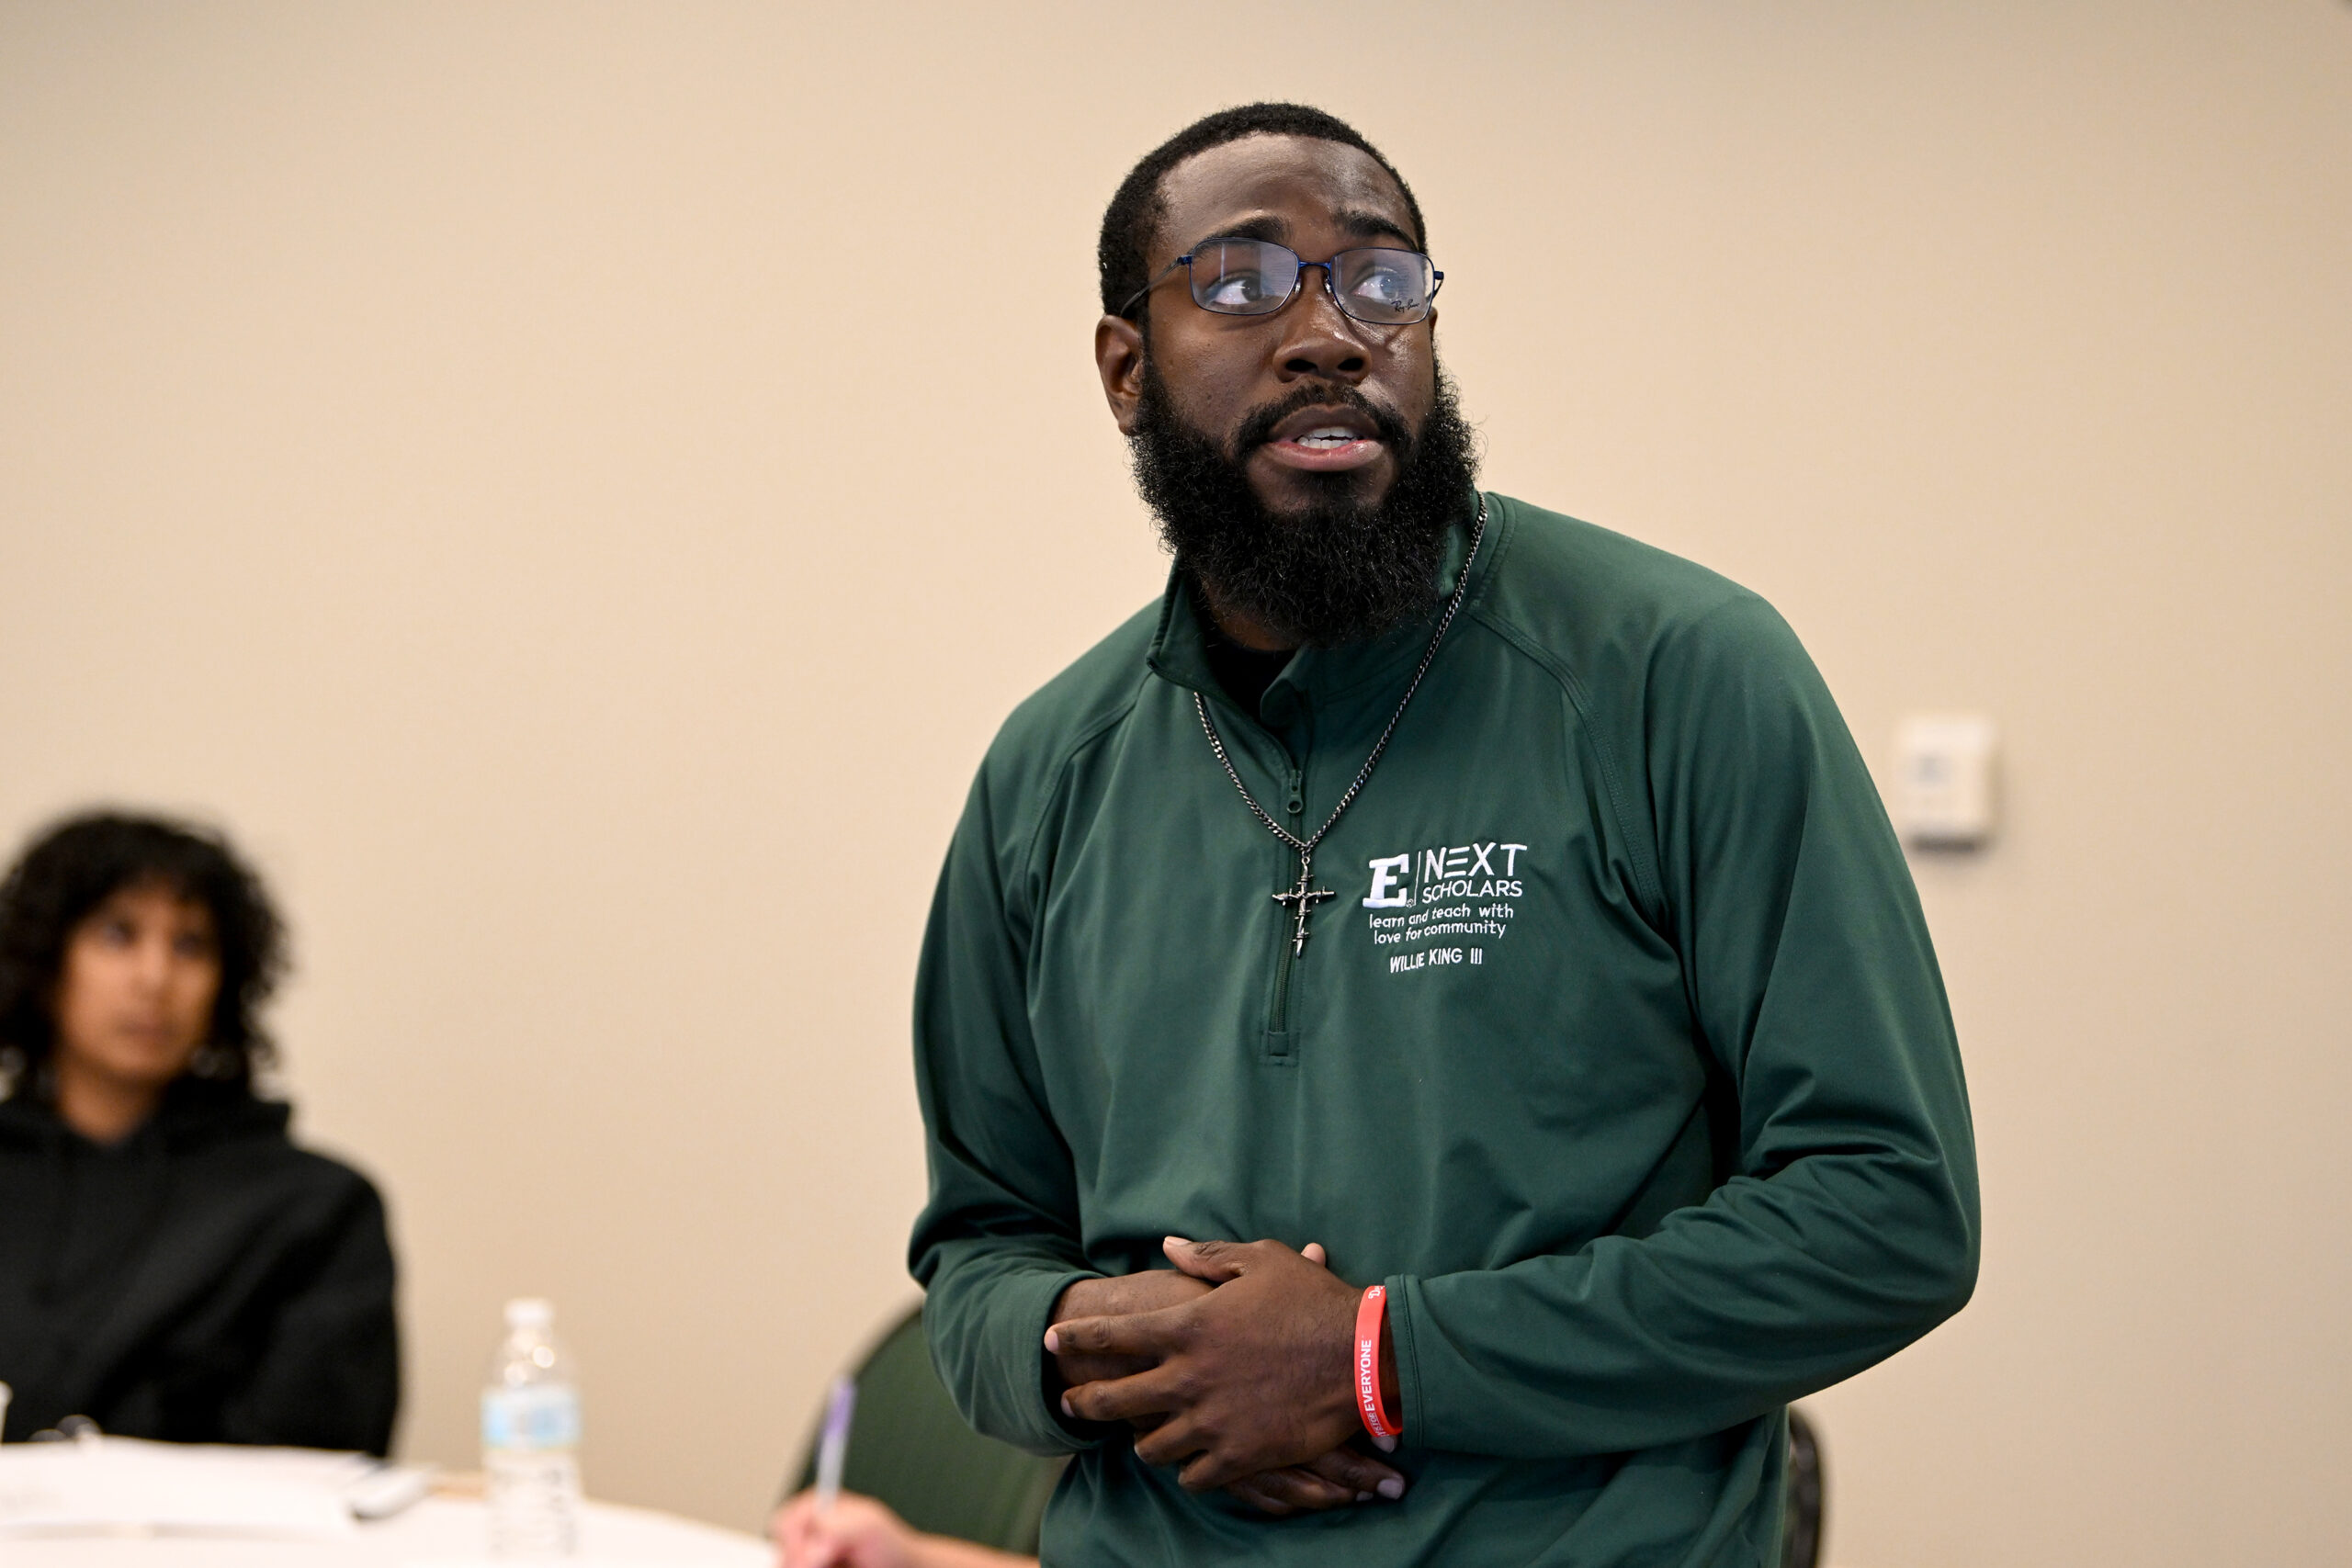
(1297, 282)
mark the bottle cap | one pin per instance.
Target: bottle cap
(530, 1312)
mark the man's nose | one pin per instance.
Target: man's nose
(1318, 339)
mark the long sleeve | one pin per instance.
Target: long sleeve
(1848, 1226)
(999, 1240)
(328, 1375)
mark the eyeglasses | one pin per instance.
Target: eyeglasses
(1256, 277)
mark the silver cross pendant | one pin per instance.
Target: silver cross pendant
(1301, 899)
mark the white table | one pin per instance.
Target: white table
(438, 1530)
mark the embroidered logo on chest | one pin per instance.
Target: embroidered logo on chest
(1421, 901)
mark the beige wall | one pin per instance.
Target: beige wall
(575, 487)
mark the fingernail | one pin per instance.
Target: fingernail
(1173, 1241)
(1364, 1497)
(1053, 1342)
(1385, 1445)
(1067, 1410)
(1393, 1488)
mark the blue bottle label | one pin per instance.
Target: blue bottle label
(541, 1416)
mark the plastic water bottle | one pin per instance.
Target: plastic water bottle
(530, 1439)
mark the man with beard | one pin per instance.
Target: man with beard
(1427, 1040)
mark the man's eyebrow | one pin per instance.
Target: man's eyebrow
(1366, 224)
(1358, 222)
(1262, 226)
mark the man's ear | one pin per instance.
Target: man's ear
(1119, 356)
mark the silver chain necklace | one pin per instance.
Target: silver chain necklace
(1303, 896)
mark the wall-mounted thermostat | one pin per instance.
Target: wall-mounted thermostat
(1944, 796)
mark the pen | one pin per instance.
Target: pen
(834, 1443)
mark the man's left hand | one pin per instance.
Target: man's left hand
(1253, 1376)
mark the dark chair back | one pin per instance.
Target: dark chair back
(1801, 1519)
(908, 1448)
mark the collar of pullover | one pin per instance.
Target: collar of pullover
(1321, 678)
(192, 1112)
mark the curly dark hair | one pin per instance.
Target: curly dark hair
(1132, 221)
(77, 865)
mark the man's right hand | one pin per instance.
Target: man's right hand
(1344, 1476)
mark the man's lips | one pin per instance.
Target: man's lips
(1324, 440)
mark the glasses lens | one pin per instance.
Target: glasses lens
(1242, 278)
(1383, 286)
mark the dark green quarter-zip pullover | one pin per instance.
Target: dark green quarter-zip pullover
(1620, 1055)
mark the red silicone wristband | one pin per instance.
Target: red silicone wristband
(1370, 1314)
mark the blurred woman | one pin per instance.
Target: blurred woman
(860, 1532)
(171, 1266)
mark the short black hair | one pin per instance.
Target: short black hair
(75, 865)
(1132, 221)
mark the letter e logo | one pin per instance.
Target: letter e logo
(1387, 874)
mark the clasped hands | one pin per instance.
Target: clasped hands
(1236, 1365)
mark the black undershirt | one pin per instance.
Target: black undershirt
(1244, 672)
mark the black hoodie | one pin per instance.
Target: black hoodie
(203, 1281)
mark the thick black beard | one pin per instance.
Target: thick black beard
(1344, 571)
